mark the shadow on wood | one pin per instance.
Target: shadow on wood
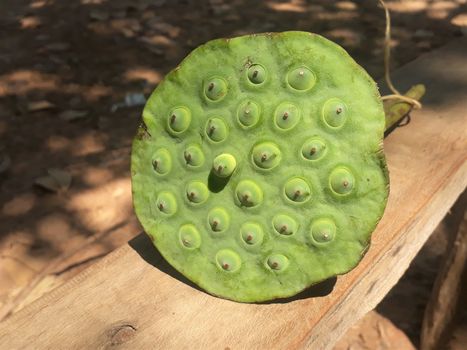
(142, 245)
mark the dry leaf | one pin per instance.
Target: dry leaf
(39, 106)
(58, 180)
(72, 115)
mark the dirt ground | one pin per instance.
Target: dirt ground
(66, 68)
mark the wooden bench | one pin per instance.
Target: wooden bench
(132, 298)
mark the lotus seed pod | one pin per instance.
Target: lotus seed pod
(224, 165)
(259, 170)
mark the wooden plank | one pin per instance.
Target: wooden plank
(133, 299)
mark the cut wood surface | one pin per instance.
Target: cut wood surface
(133, 299)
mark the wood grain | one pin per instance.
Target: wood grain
(132, 299)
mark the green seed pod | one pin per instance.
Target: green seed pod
(216, 130)
(219, 220)
(224, 165)
(248, 114)
(189, 237)
(296, 127)
(197, 192)
(162, 162)
(179, 120)
(301, 78)
(248, 194)
(256, 74)
(266, 155)
(193, 156)
(252, 234)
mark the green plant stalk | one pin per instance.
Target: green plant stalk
(395, 110)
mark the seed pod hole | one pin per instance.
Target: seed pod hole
(251, 233)
(248, 114)
(314, 149)
(266, 155)
(301, 79)
(334, 113)
(286, 116)
(216, 130)
(193, 156)
(277, 262)
(161, 161)
(297, 190)
(179, 120)
(228, 260)
(197, 192)
(284, 225)
(248, 194)
(189, 237)
(256, 74)
(342, 181)
(218, 220)
(166, 203)
(224, 165)
(215, 89)
(323, 230)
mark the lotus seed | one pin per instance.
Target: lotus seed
(314, 149)
(284, 225)
(297, 190)
(197, 192)
(334, 113)
(301, 79)
(251, 233)
(216, 130)
(256, 74)
(287, 116)
(266, 155)
(277, 262)
(218, 219)
(193, 156)
(323, 230)
(161, 162)
(342, 181)
(179, 120)
(224, 165)
(228, 260)
(215, 89)
(189, 237)
(248, 194)
(166, 203)
(248, 114)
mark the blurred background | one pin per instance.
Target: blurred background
(74, 76)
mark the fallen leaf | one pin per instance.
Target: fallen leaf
(72, 115)
(39, 106)
(57, 180)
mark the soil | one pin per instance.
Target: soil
(66, 68)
